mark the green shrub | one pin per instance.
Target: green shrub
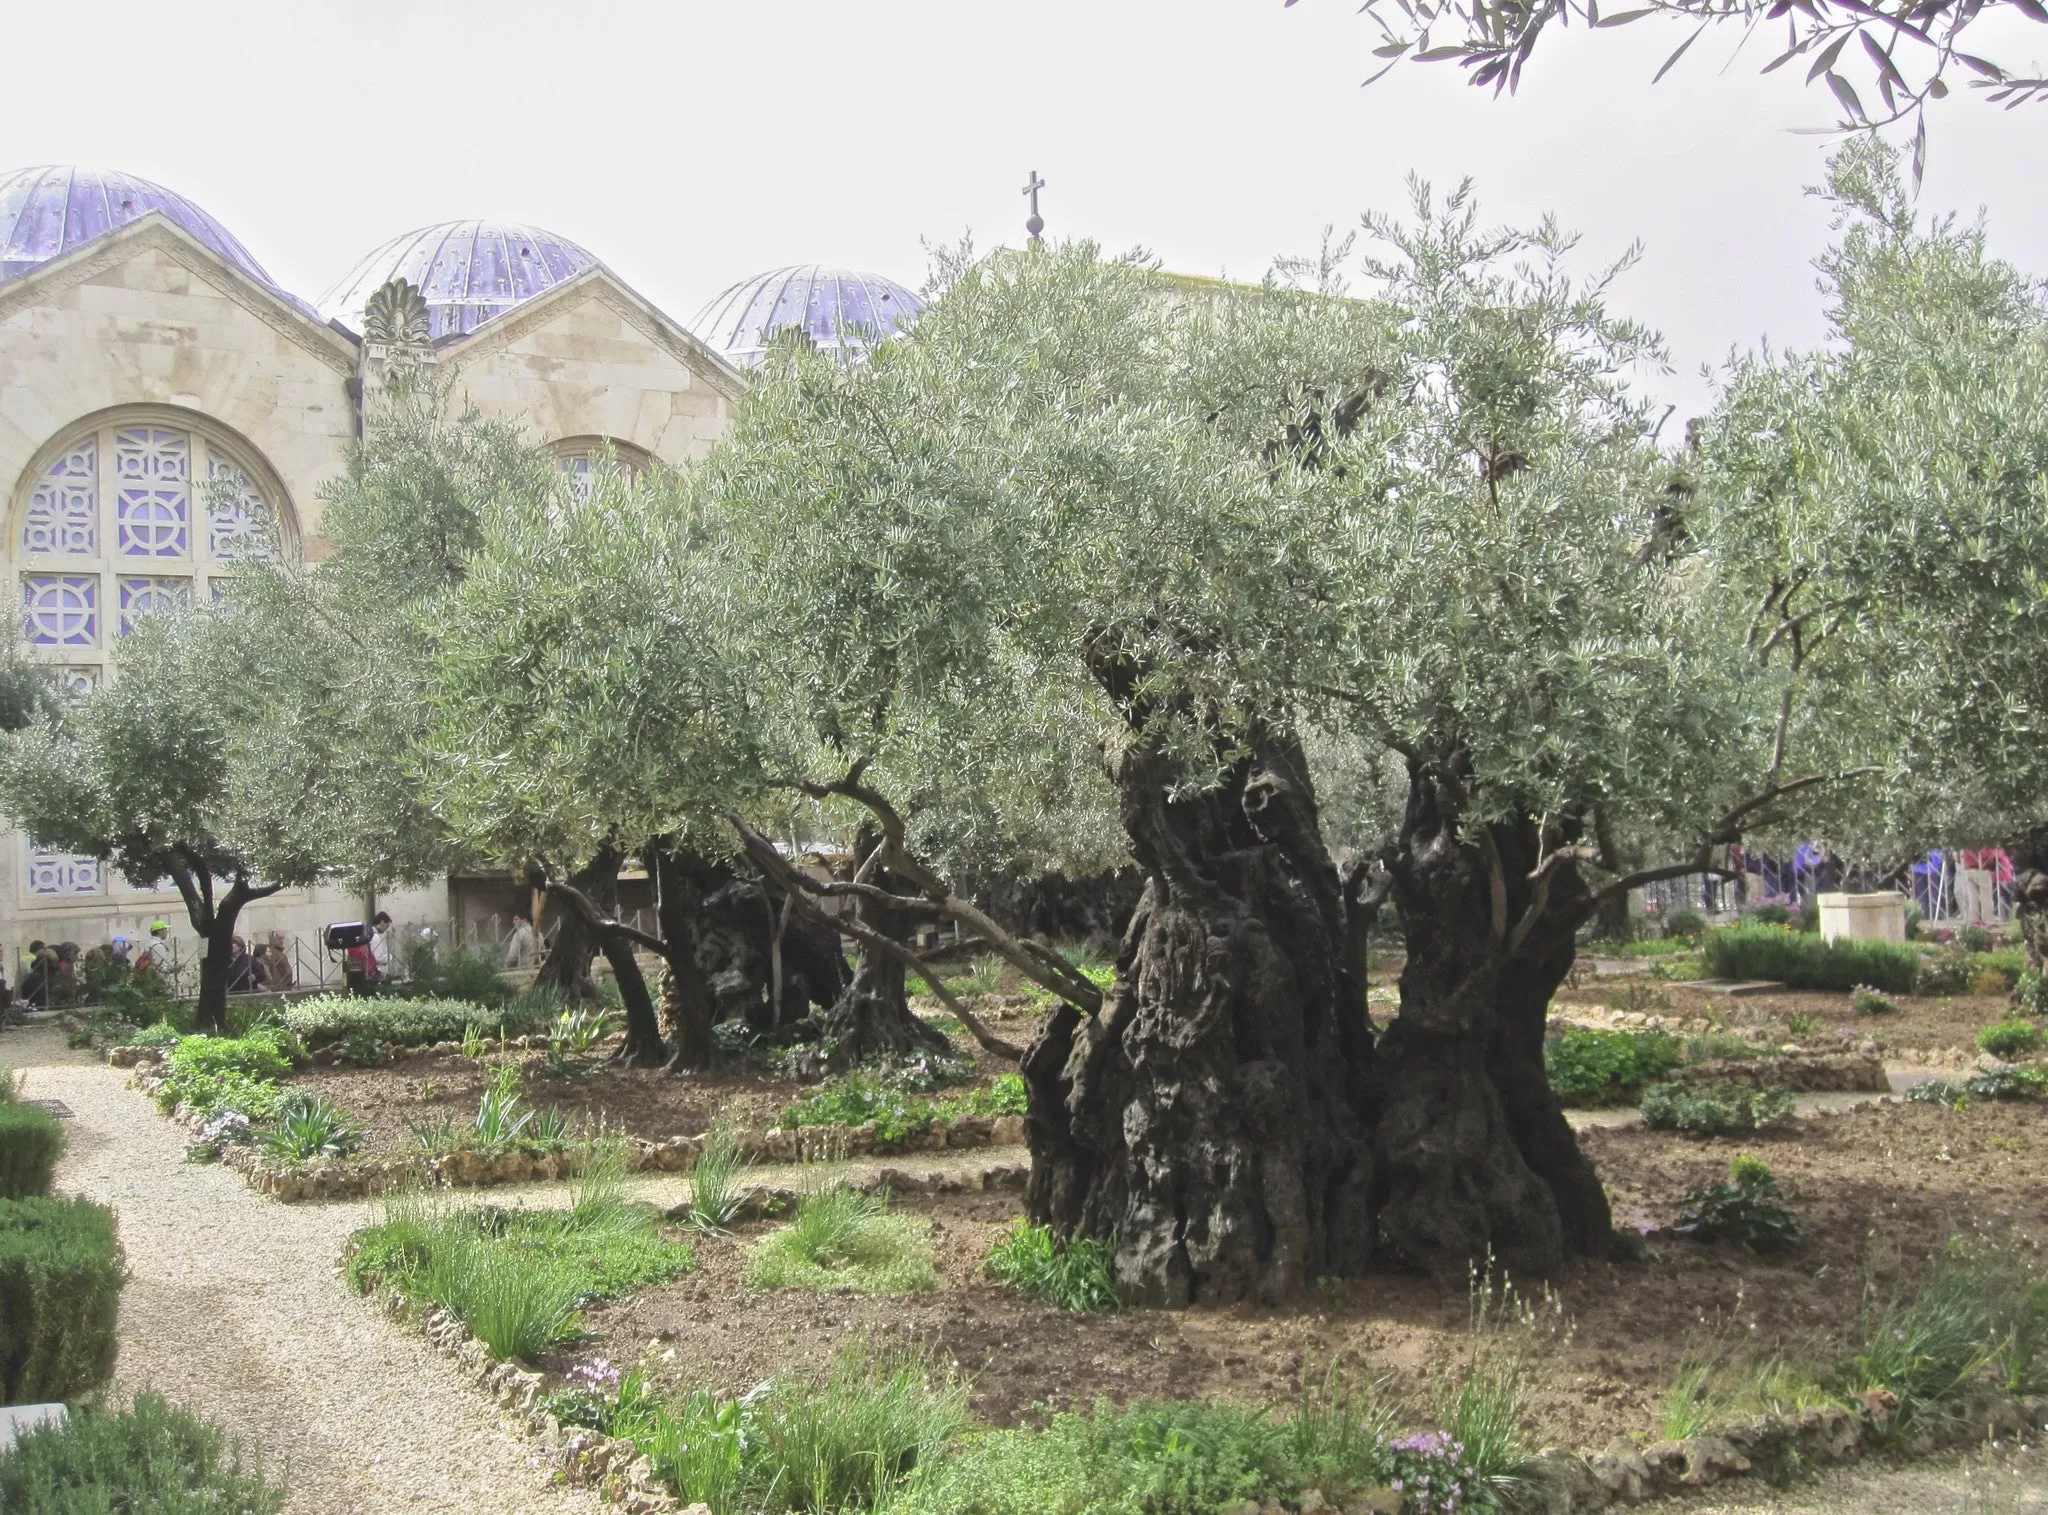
(265, 1053)
(160, 1034)
(1685, 924)
(1744, 1210)
(1607, 1067)
(1947, 970)
(2010, 1039)
(1974, 939)
(31, 1141)
(1768, 915)
(60, 1298)
(454, 973)
(148, 1459)
(2030, 993)
(1865, 1000)
(1076, 1274)
(844, 1239)
(216, 1093)
(1714, 1109)
(1803, 961)
(328, 1018)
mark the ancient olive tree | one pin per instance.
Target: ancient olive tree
(586, 704)
(144, 773)
(1889, 494)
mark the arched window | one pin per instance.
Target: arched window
(135, 511)
(581, 457)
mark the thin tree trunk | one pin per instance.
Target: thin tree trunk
(643, 1046)
(1213, 1118)
(215, 921)
(566, 969)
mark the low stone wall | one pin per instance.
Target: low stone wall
(1566, 1483)
(1807, 1073)
(359, 1177)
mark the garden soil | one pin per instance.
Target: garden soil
(1878, 1188)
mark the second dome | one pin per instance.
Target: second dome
(845, 312)
(468, 272)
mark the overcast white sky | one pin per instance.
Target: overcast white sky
(689, 144)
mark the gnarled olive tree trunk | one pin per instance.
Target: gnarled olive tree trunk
(872, 1015)
(1213, 1117)
(679, 879)
(2030, 892)
(1473, 1156)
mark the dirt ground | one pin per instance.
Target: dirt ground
(1878, 1189)
(422, 1088)
(1920, 1023)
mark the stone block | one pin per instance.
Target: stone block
(1006, 1131)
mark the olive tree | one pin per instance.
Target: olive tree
(142, 773)
(1887, 495)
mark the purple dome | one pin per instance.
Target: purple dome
(845, 312)
(47, 212)
(469, 271)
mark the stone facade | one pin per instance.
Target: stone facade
(140, 369)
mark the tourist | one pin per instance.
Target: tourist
(384, 948)
(157, 956)
(519, 946)
(35, 978)
(119, 950)
(241, 968)
(274, 963)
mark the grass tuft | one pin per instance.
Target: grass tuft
(1077, 1274)
(844, 1239)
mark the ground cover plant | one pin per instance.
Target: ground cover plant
(1804, 961)
(211, 1074)
(60, 1295)
(898, 1108)
(1745, 1209)
(517, 1277)
(504, 1121)
(1076, 1274)
(1714, 1109)
(1865, 1000)
(1592, 1068)
(844, 1439)
(310, 1126)
(144, 1458)
(844, 1238)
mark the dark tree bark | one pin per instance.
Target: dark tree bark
(590, 906)
(2030, 892)
(735, 950)
(215, 920)
(1530, 977)
(1213, 1117)
(685, 997)
(566, 969)
(872, 1018)
(1452, 1184)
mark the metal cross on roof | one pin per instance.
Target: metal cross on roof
(1035, 223)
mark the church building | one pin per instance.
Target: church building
(145, 354)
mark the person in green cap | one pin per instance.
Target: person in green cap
(156, 952)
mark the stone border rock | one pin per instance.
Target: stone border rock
(1809, 1073)
(1566, 1483)
(357, 1178)
(616, 1470)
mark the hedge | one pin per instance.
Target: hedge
(330, 1018)
(60, 1298)
(1807, 962)
(30, 1143)
(149, 1459)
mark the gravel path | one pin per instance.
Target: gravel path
(234, 1308)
